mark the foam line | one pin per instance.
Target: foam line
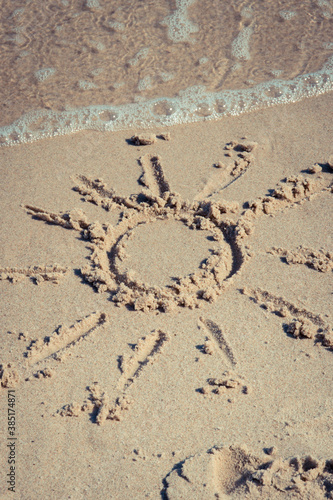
(184, 107)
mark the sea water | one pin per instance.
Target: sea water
(70, 65)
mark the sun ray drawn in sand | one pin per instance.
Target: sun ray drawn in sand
(38, 274)
(55, 347)
(146, 352)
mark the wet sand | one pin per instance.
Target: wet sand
(166, 315)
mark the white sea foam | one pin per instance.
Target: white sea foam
(116, 25)
(166, 77)
(180, 27)
(86, 85)
(43, 74)
(17, 12)
(276, 72)
(142, 54)
(287, 14)
(192, 104)
(99, 46)
(240, 47)
(97, 71)
(327, 8)
(145, 83)
(93, 4)
(247, 12)
(159, 62)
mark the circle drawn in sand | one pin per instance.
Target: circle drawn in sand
(109, 243)
(205, 283)
(158, 202)
(161, 251)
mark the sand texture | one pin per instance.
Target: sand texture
(182, 346)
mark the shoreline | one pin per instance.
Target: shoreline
(191, 105)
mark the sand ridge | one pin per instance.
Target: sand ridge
(320, 260)
(59, 341)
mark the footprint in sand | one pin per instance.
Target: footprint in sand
(233, 472)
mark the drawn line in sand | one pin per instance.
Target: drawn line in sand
(234, 472)
(106, 270)
(63, 338)
(320, 260)
(216, 339)
(302, 323)
(38, 274)
(293, 190)
(56, 346)
(153, 177)
(241, 158)
(145, 354)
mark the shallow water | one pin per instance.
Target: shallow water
(110, 65)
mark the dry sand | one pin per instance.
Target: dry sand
(166, 311)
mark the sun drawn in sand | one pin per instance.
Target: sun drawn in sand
(229, 227)
(107, 270)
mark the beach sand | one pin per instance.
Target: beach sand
(185, 353)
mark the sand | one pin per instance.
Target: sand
(166, 320)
